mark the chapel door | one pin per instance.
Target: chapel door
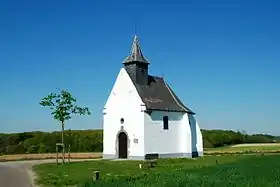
(122, 145)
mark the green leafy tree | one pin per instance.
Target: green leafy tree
(63, 106)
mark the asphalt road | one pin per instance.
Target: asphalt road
(14, 177)
(19, 173)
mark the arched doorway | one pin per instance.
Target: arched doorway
(122, 145)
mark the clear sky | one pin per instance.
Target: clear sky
(221, 57)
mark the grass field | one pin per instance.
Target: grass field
(257, 145)
(240, 148)
(231, 170)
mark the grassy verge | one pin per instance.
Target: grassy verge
(78, 173)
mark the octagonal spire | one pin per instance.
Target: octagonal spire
(136, 53)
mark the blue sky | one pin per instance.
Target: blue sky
(220, 57)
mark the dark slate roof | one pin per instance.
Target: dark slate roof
(158, 95)
(136, 53)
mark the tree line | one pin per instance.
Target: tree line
(45, 142)
(91, 140)
(219, 138)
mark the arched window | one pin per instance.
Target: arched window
(165, 122)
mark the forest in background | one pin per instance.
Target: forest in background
(91, 140)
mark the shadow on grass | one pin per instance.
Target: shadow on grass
(256, 171)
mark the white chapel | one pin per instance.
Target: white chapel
(143, 116)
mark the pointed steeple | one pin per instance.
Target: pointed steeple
(136, 53)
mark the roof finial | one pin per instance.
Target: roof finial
(135, 30)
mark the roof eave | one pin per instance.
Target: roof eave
(140, 60)
(191, 112)
(150, 110)
(166, 110)
(128, 62)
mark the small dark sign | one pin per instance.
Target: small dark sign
(135, 140)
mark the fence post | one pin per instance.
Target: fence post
(69, 147)
(96, 176)
(56, 155)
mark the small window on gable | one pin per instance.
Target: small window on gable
(165, 122)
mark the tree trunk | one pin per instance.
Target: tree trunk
(62, 141)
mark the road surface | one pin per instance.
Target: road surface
(13, 177)
(19, 173)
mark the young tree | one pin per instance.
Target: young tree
(63, 106)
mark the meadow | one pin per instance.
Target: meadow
(229, 170)
(244, 148)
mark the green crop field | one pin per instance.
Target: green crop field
(232, 170)
(244, 149)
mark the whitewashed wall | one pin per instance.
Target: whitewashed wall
(123, 102)
(197, 140)
(158, 140)
(187, 133)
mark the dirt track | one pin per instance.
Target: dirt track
(48, 156)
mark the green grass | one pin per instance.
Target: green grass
(230, 171)
(78, 173)
(254, 171)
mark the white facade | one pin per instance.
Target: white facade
(123, 102)
(124, 113)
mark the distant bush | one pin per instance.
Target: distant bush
(91, 140)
